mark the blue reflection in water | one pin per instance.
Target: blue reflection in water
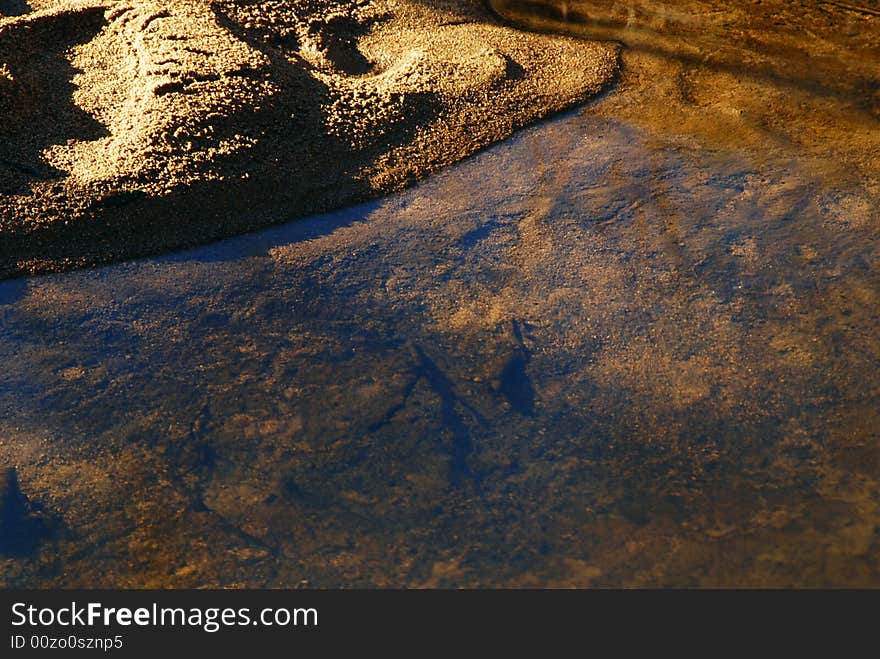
(583, 356)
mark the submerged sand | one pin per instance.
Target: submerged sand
(635, 347)
(131, 128)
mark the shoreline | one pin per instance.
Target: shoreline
(180, 128)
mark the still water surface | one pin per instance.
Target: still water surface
(636, 345)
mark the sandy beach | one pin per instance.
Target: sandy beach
(133, 128)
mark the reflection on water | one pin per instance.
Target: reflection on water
(615, 350)
(802, 77)
(822, 45)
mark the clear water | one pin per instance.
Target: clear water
(630, 346)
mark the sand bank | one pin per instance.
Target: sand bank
(131, 128)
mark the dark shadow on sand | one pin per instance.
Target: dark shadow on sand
(277, 180)
(14, 7)
(23, 527)
(39, 93)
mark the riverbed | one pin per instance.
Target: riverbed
(636, 345)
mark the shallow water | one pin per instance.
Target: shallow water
(630, 346)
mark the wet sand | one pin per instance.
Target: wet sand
(132, 128)
(638, 345)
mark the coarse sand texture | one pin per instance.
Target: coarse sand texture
(131, 128)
